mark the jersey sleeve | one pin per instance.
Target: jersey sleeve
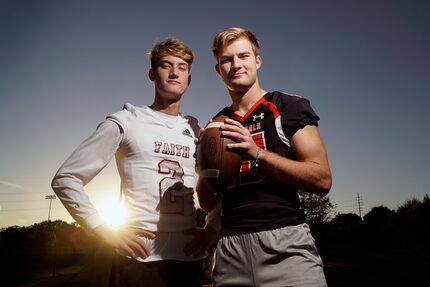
(194, 124)
(91, 156)
(296, 113)
(122, 117)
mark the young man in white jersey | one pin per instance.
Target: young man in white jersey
(154, 147)
(265, 240)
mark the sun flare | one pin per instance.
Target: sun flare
(112, 212)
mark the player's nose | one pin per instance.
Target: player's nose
(235, 63)
(174, 73)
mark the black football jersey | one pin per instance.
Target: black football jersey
(258, 201)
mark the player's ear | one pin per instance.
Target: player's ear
(151, 74)
(217, 69)
(189, 80)
(259, 61)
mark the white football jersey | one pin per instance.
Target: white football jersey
(155, 160)
(157, 167)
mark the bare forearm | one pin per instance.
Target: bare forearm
(307, 176)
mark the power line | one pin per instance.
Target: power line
(23, 200)
(347, 206)
(347, 200)
(21, 193)
(27, 209)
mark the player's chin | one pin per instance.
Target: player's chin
(174, 94)
(238, 87)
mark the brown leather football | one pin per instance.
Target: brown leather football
(216, 163)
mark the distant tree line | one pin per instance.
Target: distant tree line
(408, 225)
(27, 252)
(384, 248)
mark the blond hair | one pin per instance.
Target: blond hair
(173, 47)
(227, 36)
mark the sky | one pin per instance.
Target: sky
(364, 65)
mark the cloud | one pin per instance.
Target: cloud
(10, 184)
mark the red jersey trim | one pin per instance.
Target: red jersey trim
(262, 101)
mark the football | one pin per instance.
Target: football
(216, 163)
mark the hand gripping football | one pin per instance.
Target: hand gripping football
(216, 163)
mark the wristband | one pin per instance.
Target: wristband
(254, 162)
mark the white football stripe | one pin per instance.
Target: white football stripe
(214, 125)
(209, 173)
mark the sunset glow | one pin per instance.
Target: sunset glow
(112, 212)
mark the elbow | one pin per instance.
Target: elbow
(324, 190)
(324, 185)
(54, 183)
(58, 183)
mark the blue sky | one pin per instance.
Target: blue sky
(364, 65)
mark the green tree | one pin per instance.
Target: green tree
(412, 223)
(347, 219)
(317, 209)
(378, 217)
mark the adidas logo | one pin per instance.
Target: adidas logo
(187, 133)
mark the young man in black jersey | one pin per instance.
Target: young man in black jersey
(265, 240)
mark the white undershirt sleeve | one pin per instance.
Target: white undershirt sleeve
(91, 156)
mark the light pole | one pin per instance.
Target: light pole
(54, 237)
(50, 197)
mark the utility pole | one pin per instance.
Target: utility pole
(359, 203)
(50, 197)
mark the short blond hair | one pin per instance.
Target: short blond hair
(227, 36)
(170, 46)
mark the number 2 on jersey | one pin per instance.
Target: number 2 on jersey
(171, 187)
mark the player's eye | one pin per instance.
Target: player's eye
(164, 66)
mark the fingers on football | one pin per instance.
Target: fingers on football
(234, 123)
